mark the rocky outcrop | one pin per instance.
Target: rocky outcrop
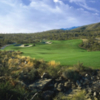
(90, 82)
(40, 84)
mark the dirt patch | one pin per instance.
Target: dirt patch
(99, 41)
(97, 38)
(84, 40)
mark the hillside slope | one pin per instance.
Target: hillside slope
(95, 26)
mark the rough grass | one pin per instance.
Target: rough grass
(66, 52)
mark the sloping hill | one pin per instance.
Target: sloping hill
(95, 26)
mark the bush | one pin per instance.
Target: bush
(53, 72)
(33, 44)
(29, 76)
(77, 96)
(8, 92)
(25, 44)
(71, 74)
(4, 71)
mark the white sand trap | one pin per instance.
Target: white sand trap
(25, 46)
(48, 42)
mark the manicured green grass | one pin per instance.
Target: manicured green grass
(66, 52)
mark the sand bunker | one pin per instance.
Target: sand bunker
(48, 42)
(25, 46)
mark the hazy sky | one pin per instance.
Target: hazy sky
(40, 15)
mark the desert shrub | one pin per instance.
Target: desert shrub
(52, 71)
(33, 44)
(91, 45)
(15, 74)
(26, 45)
(60, 96)
(79, 96)
(80, 67)
(42, 68)
(4, 71)
(71, 74)
(29, 76)
(53, 63)
(8, 92)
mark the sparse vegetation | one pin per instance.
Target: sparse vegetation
(77, 96)
(91, 45)
(16, 72)
(71, 74)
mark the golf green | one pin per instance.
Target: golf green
(66, 52)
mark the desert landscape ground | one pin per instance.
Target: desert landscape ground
(52, 65)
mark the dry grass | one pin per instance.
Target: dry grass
(84, 40)
(98, 40)
(53, 63)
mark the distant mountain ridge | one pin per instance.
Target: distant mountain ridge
(70, 28)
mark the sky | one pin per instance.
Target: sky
(30, 16)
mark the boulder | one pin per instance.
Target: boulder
(45, 75)
(67, 85)
(78, 83)
(21, 83)
(98, 78)
(86, 75)
(60, 87)
(86, 81)
(40, 84)
(94, 94)
(73, 86)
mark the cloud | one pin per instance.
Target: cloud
(83, 4)
(56, 0)
(40, 15)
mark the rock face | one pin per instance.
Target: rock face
(60, 87)
(90, 82)
(45, 75)
(40, 84)
(67, 85)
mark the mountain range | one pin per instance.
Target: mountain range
(94, 26)
(70, 28)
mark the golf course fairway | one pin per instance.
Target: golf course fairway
(67, 52)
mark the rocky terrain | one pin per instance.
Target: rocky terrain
(49, 81)
(50, 87)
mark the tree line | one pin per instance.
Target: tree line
(49, 35)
